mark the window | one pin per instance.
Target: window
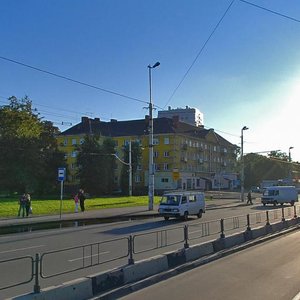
(183, 200)
(137, 178)
(74, 142)
(165, 180)
(81, 141)
(192, 198)
(73, 153)
(155, 141)
(166, 141)
(155, 154)
(139, 167)
(166, 167)
(166, 154)
(66, 142)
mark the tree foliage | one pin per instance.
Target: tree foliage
(259, 168)
(29, 156)
(96, 165)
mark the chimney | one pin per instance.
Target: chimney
(97, 120)
(113, 120)
(84, 120)
(175, 121)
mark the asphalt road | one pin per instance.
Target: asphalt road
(269, 271)
(30, 243)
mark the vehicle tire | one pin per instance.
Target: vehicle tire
(167, 218)
(185, 216)
(292, 203)
(199, 215)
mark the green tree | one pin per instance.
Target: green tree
(258, 168)
(29, 156)
(96, 165)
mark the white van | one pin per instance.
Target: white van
(182, 204)
(279, 195)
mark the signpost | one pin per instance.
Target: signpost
(61, 178)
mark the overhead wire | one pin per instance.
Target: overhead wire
(72, 80)
(199, 52)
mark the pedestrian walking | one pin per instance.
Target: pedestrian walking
(28, 204)
(76, 200)
(81, 199)
(249, 198)
(22, 205)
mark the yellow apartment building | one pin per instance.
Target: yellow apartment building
(185, 156)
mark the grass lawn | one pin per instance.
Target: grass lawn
(10, 207)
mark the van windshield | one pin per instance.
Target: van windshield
(170, 200)
(270, 192)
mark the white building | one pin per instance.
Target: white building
(188, 115)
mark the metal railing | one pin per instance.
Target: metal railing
(94, 254)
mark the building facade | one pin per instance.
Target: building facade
(188, 115)
(185, 156)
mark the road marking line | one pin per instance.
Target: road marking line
(80, 258)
(20, 249)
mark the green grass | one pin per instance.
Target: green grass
(10, 207)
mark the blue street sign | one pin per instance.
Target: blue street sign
(61, 174)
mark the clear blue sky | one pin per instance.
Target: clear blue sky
(247, 74)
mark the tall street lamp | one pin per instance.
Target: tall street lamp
(129, 164)
(242, 163)
(151, 165)
(290, 166)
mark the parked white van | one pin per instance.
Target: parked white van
(182, 204)
(279, 195)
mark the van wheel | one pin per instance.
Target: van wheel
(199, 215)
(292, 203)
(185, 216)
(167, 218)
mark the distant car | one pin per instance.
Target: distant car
(255, 189)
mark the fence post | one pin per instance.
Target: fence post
(36, 288)
(186, 236)
(222, 235)
(130, 250)
(282, 213)
(268, 220)
(248, 222)
(295, 212)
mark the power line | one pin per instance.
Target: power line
(199, 53)
(270, 11)
(72, 80)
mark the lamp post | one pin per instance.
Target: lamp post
(129, 164)
(290, 165)
(151, 165)
(242, 162)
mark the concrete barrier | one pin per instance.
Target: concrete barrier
(107, 280)
(197, 251)
(145, 268)
(79, 289)
(176, 258)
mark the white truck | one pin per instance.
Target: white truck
(279, 195)
(182, 204)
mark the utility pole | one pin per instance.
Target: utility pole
(242, 164)
(151, 165)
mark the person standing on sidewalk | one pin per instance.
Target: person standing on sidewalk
(81, 199)
(249, 198)
(22, 205)
(76, 200)
(28, 204)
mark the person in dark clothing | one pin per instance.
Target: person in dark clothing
(81, 199)
(249, 198)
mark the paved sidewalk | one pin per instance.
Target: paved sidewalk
(110, 214)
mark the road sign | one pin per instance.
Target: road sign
(61, 174)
